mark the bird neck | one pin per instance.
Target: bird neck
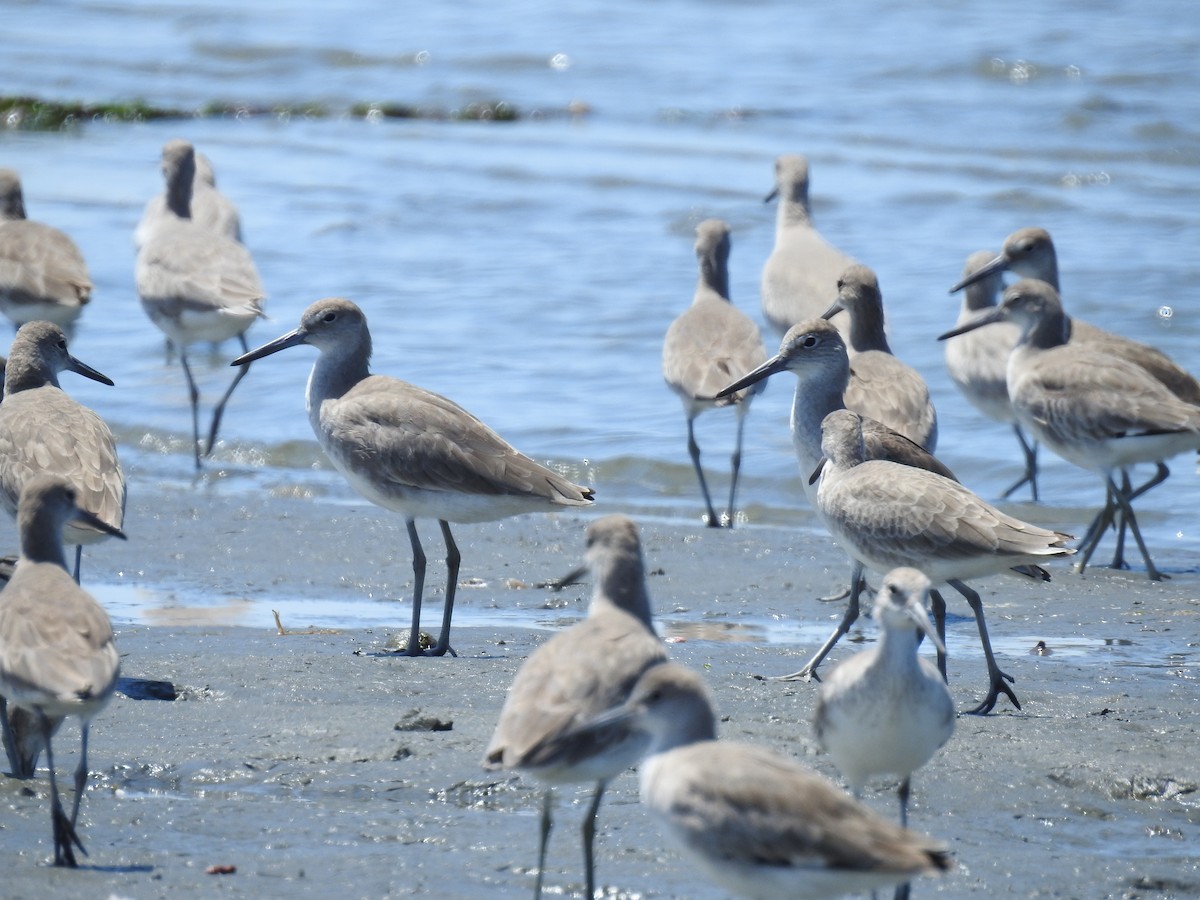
(1050, 330)
(41, 539)
(25, 372)
(793, 209)
(714, 277)
(179, 197)
(625, 588)
(867, 331)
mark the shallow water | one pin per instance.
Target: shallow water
(530, 269)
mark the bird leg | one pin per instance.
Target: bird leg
(857, 582)
(10, 743)
(589, 838)
(414, 638)
(547, 822)
(1131, 519)
(219, 409)
(714, 521)
(1030, 449)
(938, 603)
(64, 828)
(996, 677)
(735, 465)
(1160, 475)
(453, 560)
(194, 398)
(81, 773)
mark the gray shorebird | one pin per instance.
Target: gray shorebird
(1096, 410)
(411, 450)
(707, 346)
(759, 824)
(799, 278)
(887, 515)
(886, 710)
(576, 675)
(42, 273)
(978, 360)
(1030, 253)
(816, 354)
(196, 285)
(57, 656)
(44, 430)
(881, 386)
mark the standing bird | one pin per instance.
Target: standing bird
(1098, 411)
(576, 675)
(57, 656)
(1030, 253)
(800, 276)
(759, 824)
(978, 360)
(881, 387)
(706, 347)
(815, 352)
(42, 272)
(44, 430)
(196, 285)
(887, 515)
(411, 450)
(886, 710)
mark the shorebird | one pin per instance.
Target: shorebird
(800, 276)
(816, 354)
(1098, 411)
(43, 430)
(881, 386)
(887, 515)
(759, 824)
(210, 209)
(978, 360)
(1030, 253)
(707, 346)
(886, 710)
(576, 675)
(196, 285)
(57, 656)
(42, 273)
(411, 450)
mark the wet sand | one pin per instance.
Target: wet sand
(320, 765)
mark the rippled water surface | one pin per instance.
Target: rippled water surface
(529, 269)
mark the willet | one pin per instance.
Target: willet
(1098, 411)
(886, 515)
(886, 710)
(57, 656)
(576, 675)
(759, 824)
(196, 285)
(43, 430)
(978, 360)
(799, 278)
(410, 450)
(1030, 253)
(706, 347)
(42, 272)
(210, 209)
(881, 386)
(815, 352)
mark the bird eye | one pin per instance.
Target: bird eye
(329, 317)
(810, 340)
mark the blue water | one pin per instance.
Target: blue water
(529, 270)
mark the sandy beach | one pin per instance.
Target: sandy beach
(321, 765)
